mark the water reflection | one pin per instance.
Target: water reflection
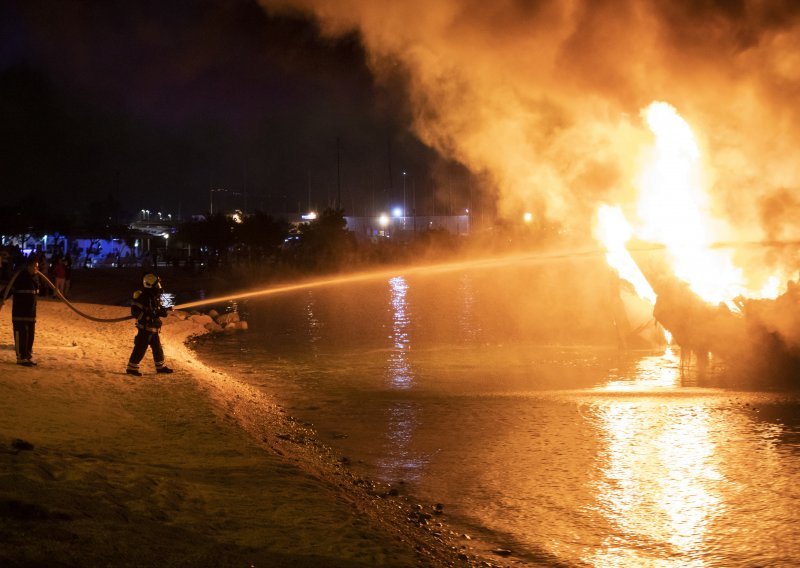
(467, 321)
(401, 374)
(659, 483)
(399, 461)
(313, 323)
(639, 471)
(651, 372)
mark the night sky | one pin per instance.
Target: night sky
(158, 102)
(155, 103)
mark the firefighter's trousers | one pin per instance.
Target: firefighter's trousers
(143, 340)
(23, 339)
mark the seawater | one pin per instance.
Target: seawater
(504, 395)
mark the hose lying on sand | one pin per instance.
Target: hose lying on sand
(61, 297)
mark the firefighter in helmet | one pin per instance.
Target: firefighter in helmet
(25, 289)
(147, 309)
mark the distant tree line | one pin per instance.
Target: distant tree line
(256, 242)
(260, 240)
(259, 244)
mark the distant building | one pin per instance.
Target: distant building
(404, 228)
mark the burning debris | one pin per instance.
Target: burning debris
(701, 297)
(759, 334)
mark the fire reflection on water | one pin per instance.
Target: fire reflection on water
(677, 474)
(651, 373)
(659, 483)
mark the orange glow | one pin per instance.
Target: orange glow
(673, 211)
(614, 232)
(662, 481)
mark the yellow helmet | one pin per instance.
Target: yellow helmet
(151, 281)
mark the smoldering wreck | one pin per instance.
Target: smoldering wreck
(750, 335)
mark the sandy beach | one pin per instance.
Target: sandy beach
(98, 468)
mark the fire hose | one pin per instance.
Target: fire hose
(61, 297)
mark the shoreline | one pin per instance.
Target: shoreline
(82, 417)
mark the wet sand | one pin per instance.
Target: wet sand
(189, 469)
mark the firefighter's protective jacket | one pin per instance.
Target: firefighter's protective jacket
(24, 290)
(147, 309)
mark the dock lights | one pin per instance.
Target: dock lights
(397, 212)
(383, 220)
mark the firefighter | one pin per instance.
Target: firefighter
(147, 309)
(25, 290)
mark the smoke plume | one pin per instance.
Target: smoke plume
(543, 99)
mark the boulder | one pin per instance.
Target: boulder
(202, 319)
(225, 319)
(213, 327)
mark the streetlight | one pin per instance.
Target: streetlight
(404, 199)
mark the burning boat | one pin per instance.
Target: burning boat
(747, 332)
(699, 291)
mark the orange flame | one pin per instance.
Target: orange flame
(614, 232)
(673, 211)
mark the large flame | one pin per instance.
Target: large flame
(673, 211)
(614, 232)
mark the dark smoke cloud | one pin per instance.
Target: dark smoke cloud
(544, 98)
